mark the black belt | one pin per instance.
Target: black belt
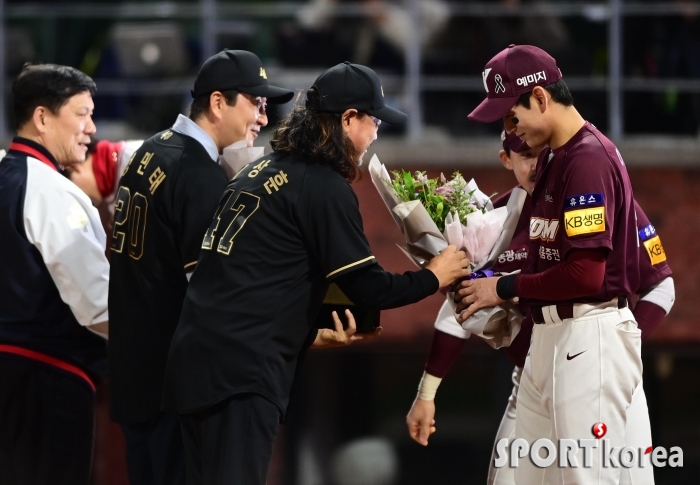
(567, 311)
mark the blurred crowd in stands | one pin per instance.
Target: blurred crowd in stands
(655, 47)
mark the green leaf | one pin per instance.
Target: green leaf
(409, 183)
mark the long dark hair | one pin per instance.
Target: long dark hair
(316, 136)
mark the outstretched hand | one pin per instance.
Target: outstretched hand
(340, 337)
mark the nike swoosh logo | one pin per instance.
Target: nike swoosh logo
(569, 357)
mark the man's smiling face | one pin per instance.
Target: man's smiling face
(68, 131)
(244, 119)
(531, 124)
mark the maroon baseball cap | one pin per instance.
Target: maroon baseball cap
(515, 70)
(512, 142)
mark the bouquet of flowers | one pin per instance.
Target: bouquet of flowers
(433, 213)
(440, 197)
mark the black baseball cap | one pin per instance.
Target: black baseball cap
(347, 86)
(237, 70)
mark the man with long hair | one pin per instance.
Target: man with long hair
(286, 227)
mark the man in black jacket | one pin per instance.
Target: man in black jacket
(167, 194)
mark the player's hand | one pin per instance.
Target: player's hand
(421, 421)
(340, 337)
(473, 295)
(449, 266)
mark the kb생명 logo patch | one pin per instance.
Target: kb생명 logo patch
(584, 221)
(652, 243)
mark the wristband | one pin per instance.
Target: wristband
(428, 387)
(505, 287)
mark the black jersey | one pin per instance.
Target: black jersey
(283, 231)
(165, 200)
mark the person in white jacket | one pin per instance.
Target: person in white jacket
(53, 280)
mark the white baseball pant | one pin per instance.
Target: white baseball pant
(580, 371)
(637, 435)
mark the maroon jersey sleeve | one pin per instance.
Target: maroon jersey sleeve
(589, 201)
(653, 267)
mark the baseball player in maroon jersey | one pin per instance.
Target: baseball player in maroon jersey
(584, 365)
(655, 299)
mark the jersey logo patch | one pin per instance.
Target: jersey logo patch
(583, 200)
(510, 255)
(584, 221)
(77, 218)
(655, 250)
(550, 254)
(647, 232)
(545, 229)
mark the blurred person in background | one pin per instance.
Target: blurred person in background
(98, 176)
(665, 47)
(380, 37)
(53, 281)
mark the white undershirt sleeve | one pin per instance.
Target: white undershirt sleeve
(663, 294)
(63, 225)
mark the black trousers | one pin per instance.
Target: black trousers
(154, 451)
(230, 443)
(46, 425)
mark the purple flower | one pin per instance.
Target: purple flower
(445, 190)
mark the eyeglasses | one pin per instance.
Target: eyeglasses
(376, 121)
(257, 102)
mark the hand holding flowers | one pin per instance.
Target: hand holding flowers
(433, 213)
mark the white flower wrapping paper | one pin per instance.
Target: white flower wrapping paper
(235, 157)
(423, 238)
(498, 325)
(484, 237)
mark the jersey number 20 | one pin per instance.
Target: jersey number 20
(233, 212)
(129, 218)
